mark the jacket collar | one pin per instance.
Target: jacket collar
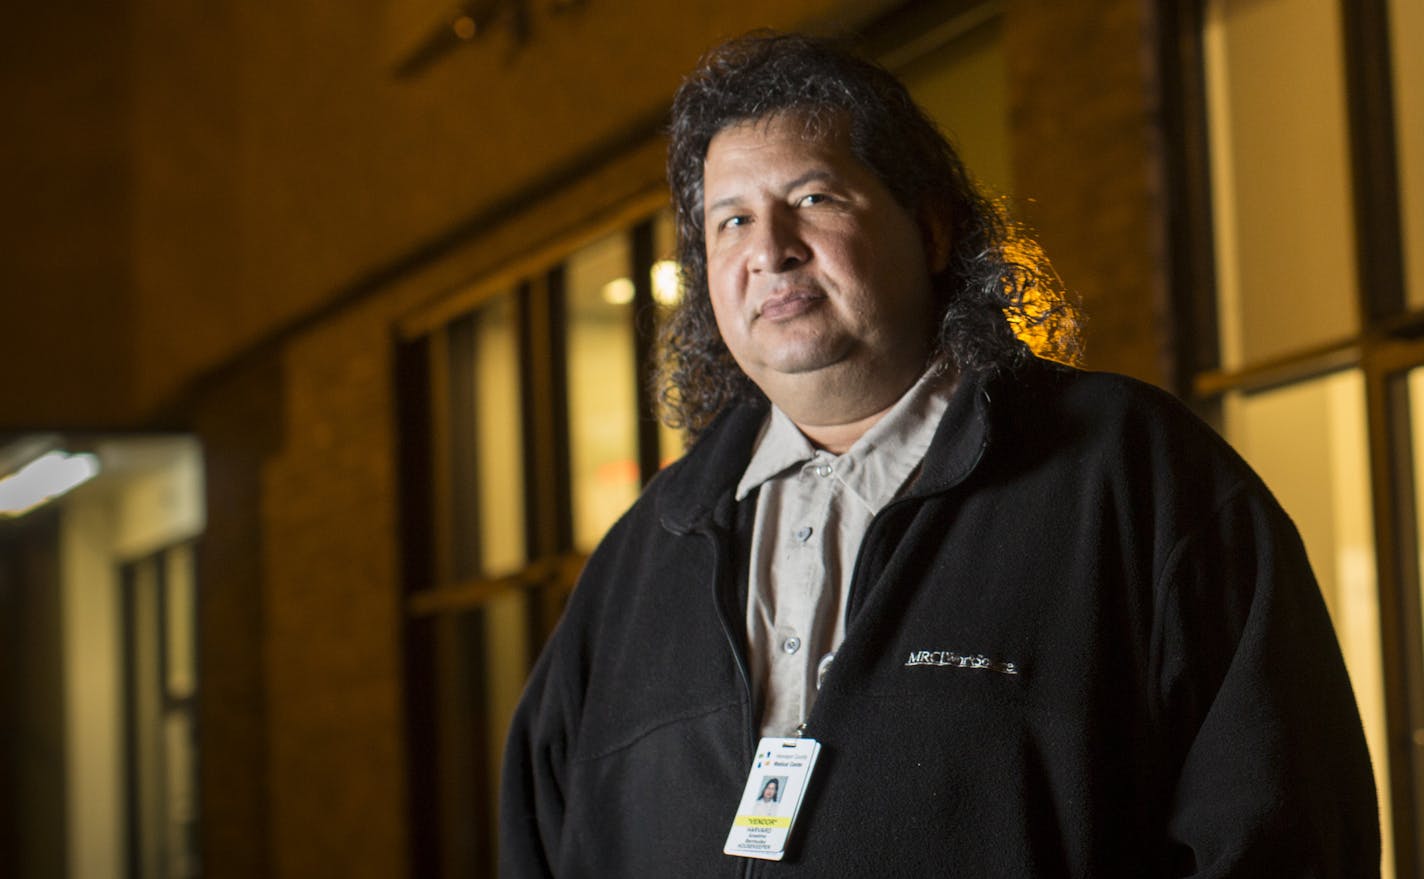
(704, 479)
(962, 439)
(698, 489)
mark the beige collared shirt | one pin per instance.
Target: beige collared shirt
(812, 511)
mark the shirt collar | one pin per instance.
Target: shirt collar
(779, 446)
(878, 464)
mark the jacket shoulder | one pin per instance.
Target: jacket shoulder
(1117, 415)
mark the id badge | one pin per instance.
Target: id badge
(772, 798)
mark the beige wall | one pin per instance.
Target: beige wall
(66, 292)
(1087, 156)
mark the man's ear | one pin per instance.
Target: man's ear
(935, 236)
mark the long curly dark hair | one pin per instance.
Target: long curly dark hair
(999, 297)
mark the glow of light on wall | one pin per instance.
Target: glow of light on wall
(667, 285)
(618, 291)
(43, 479)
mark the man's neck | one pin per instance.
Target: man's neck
(838, 438)
(835, 421)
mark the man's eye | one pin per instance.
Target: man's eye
(732, 221)
(814, 198)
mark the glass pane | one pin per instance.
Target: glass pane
(603, 418)
(1280, 177)
(1416, 431)
(506, 665)
(180, 795)
(499, 445)
(146, 796)
(1308, 442)
(1406, 20)
(667, 291)
(180, 756)
(962, 84)
(463, 769)
(180, 617)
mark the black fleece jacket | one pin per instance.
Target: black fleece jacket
(1178, 704)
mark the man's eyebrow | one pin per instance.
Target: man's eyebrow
(812, 176)
(728, 201)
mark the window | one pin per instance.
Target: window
(603, 385)
(1313, 375)
(529, 430)
(160, 669)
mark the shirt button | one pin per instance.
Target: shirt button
(823, 469)
(803, 534)
(791, 645)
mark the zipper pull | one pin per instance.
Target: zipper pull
(822, 667)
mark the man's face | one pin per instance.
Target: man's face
(814, 269)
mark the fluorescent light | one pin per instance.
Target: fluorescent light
(667, 282)
(43, 479)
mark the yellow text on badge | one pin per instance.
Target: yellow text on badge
(761, 821)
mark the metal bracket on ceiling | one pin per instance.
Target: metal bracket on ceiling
(467, 22)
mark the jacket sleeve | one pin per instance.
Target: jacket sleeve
(531, 814)
(1269, 773)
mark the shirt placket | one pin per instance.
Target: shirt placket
(808, 545)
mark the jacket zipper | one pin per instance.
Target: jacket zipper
(803, 728)
(719, 572)
(720, 568)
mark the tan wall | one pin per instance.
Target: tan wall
(1087, 167)
(333, 622)
(66, 297)
(239, 424)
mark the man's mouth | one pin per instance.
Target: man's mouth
(790, 303)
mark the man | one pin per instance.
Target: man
(1040, 622)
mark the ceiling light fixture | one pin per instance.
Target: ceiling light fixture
(43, 479)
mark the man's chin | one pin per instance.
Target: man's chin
(808, 367)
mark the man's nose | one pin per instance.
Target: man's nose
(779, 245)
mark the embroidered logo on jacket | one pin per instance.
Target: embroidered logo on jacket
(953, 659)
